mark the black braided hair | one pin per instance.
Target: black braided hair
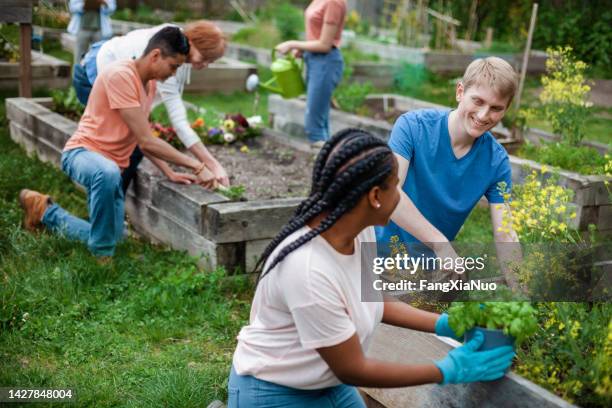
(351, 163)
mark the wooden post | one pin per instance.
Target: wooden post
(534, 13)
(25, 61)
(20, 11)
(488, 38)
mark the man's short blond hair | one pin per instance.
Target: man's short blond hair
(492, 72)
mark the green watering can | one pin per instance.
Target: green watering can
(287, 74)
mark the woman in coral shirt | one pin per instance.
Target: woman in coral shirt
(324, 64)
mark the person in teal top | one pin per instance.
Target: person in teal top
(448, 160)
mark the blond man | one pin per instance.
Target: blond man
(448, 160)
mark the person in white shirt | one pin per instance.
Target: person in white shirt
(207, 44)
(309, 329)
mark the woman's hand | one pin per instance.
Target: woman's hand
(285, 47)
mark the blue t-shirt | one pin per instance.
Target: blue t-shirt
(444, 189)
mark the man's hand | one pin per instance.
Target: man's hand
(221, 175)
(181, 178)
(207, 179)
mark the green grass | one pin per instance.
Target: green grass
(148, 330)
(477, 228)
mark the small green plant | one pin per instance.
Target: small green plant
(234, 193)
(351, 97)
(517, 319)
(65, 102)
(564, 98)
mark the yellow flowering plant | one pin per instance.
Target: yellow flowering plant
(565, 93)
(539, 210)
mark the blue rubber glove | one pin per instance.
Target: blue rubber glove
(464, 364)
(443, 329)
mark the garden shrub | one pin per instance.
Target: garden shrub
(351, 97)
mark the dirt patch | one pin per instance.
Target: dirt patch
(267, 169)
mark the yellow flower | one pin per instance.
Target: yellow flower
(244, 149)
(544, 169)
(229, 124)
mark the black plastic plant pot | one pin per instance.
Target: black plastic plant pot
(492, 338)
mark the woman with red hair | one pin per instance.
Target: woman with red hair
(207, 44)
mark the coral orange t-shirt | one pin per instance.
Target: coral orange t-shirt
(101, 128)
(321, 12)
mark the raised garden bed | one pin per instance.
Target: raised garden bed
(226, 75)
(47, 71)
(380, 74)
(591, 196)
(206, 224)
(394, 344)
(443, 62)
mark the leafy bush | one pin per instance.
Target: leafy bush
(516, 319)
(289, 21)
(571, 352)
(581, 159)
(262, 35)
(143, 14)
(351, 97)
(565, 93)
(65, 102)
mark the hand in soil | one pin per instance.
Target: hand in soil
(182, 178)
(221, 175)
(207, 179)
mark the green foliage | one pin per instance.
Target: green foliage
(143, 14)
(357, 24)
(289, 21)
(149, 329)
(581, 159)
(351, 97)
(570, 354)
(516, 319)
(262, 35)
(65, 102)
(234, 193)
(564, 98)
(584, 25)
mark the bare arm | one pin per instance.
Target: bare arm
(323, 44)
(401, 314)
(155, 147)
(409, 218)
(175, 177)
(351, 366)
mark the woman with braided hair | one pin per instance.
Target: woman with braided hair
(309, 330)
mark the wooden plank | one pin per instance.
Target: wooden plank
(187, 203)
(412, 347)
(247, 220)
(17, 11)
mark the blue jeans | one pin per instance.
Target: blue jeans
(101, 178)
(86, 73)
(323, 73)
(245, 391)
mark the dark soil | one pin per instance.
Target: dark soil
(267, 170)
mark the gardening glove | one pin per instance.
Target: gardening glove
(443, 329)
(464, 364)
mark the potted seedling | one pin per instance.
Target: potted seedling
(503, 323)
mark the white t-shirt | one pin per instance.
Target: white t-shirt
(132, 46)
(312, 299)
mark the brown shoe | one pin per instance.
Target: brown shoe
(34, 204)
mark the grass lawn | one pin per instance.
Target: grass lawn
(149, 330)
